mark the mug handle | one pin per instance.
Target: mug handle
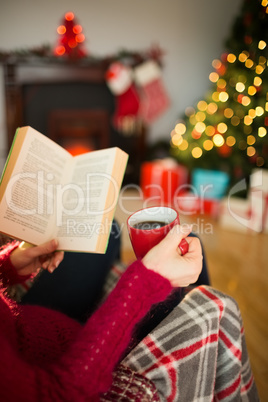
(183, 246)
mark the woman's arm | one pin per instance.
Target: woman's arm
(86, 368)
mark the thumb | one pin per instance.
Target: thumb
(176, 234)
(42, 249)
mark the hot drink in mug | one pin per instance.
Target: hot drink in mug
(148, 226)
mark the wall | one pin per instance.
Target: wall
(192, 33)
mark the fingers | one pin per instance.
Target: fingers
(43, 249)
(166, 260)
(176, 234)
(194, 257)
(52, 261)
(195, 248)
(48, 256)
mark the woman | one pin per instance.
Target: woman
(47, 356)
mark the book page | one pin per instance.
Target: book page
(28, 206)
(86, 200)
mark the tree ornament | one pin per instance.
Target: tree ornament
(225, 150)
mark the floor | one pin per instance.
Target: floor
(238, 266)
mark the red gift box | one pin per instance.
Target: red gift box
(162, 180)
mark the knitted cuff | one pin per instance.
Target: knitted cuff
(8, 273)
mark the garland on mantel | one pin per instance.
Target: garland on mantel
(134, 78)
(45, 53)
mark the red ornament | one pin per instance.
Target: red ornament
(196, 134)
(238, 172)
(240, 98)
(221, 70)
(253, 158)
(247, 39)
(225, 150)
(247, 19)
(259, 88)
(224, 57)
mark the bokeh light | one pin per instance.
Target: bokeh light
(213, 77)
(210, 131)
(197, 152)
(218, 140)
(261, 45)
(208, 145)
(230, 141)
(61, 30)
(223, 96)
(231, 58)
(251, 140)
(222, 128)
(262, 132)
(77, 29)
(69, 16)
(228, 112)
(240, 87)
(251, 151)
(180, 128)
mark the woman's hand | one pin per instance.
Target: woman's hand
(29, 259)
(166, 259)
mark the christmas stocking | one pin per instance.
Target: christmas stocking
(153, 97)
(120, 81)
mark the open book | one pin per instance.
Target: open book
(47, 193)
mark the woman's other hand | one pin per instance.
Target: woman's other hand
(166, 259)
(28, 259)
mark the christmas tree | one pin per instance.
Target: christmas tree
(227, 130)
(71, 38)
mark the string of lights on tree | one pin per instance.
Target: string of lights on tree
(227, 130)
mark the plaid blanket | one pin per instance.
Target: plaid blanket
(198, 353)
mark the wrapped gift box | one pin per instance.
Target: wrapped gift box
(161, 180)
(190, 203)
(235, 214)
(258, 196)
(249, 214)
(210, 184)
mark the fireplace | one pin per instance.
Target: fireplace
(70, 103)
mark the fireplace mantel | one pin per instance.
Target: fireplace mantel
(36, 87)
(18, 73)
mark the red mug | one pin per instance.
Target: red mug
(148, 226)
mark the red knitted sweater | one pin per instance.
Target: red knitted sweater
(47, 356)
